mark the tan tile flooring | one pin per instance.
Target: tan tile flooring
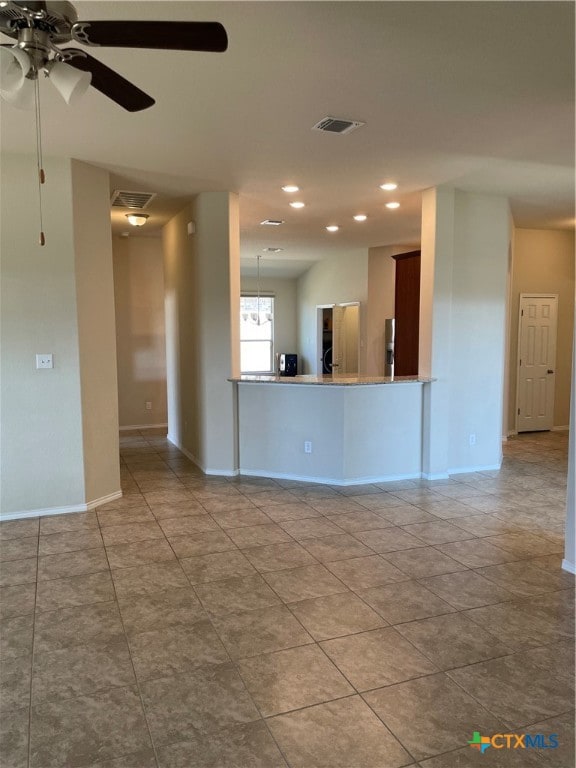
(202, 622)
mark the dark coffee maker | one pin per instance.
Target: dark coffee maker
(288, 365)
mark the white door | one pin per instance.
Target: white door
(536, 362)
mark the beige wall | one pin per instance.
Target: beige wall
(41, 410)
(181, 306)
(543, 262)
(140, 330)
(62, 422)
(335, 280)
(96, 329)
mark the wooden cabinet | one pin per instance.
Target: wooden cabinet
(407, 313)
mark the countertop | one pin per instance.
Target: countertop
(341, 381)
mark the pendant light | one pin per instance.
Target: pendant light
(258, 257)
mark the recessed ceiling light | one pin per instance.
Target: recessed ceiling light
(290, 188)
(297, 204)
(392, 205)
(273, 250)
(272, 222)
(333, 228)
(389, 186)
(360, 217)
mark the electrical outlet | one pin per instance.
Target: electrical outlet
(148, 405)
(307, 446)
(472, 438)
(44, 361)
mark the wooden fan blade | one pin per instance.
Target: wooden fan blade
(164, 35)
(109, 82)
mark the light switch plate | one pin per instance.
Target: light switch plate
(44, 361)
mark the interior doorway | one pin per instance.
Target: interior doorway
(338, 339)
(537, 328)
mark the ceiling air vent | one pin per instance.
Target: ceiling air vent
(337, 125)
(121, 198)
(272, 222)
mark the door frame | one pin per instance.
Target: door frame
(319, 328)
(529, 295)
(319, 318)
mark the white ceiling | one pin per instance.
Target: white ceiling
(475, 94)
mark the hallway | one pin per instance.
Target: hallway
(203, 622)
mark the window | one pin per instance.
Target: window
(257, 334)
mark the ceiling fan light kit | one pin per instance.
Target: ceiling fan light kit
(14, 66)
(70, 83)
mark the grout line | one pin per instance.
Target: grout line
(32, 653)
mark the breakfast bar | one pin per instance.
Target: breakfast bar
(340, 430)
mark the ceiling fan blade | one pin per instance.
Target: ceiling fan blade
(109, 82)
(165, 35)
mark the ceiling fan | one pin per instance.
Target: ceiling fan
(40, 28)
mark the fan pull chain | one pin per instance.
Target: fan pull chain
(39, 159)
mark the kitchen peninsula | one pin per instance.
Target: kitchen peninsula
(340, 430)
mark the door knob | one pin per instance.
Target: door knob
(550, 370)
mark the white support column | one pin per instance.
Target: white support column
(465, 245)
(202, 283)
(436, 326)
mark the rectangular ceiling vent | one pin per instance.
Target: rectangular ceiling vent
(271, 222)
(337, 125)
(121, 198)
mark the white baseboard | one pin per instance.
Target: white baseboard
(561, 429)
(142, 426)
(327, 480)
(49, 511)
(103, 500)
(568, 566)
(435, 476)
(477, 468)
(21, 515)
(194, 460)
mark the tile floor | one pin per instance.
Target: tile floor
(249, 623)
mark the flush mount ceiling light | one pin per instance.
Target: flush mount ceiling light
(137, 219)
(360, 217)
(332, 228)
(392, 205)
(297, 204)
(290, 188)
(389, 186)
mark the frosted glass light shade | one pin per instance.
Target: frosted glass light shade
(137, 219)
(23, 97)
(14, 66)
(70, 83)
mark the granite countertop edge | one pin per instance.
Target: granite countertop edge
(340, 381)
